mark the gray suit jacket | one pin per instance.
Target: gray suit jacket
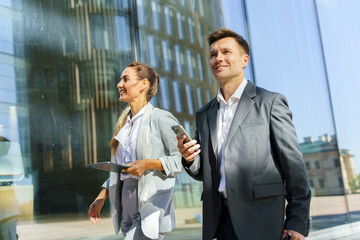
(156, 140)
(263, 166)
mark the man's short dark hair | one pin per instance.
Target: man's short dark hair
(225, 32)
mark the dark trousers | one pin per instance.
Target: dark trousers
(225, 229)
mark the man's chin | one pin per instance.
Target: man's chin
(220, 75)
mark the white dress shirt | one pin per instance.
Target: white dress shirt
(127, 138)
(225, 117)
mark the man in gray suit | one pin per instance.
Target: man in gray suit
(247, 155)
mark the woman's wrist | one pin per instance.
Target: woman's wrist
(103, 194)
(153, 164)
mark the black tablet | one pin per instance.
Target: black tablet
(107, 166)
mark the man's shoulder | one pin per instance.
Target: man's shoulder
(266, 94)
(206, 107)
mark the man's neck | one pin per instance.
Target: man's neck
(228, 87)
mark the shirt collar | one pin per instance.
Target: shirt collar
(128, 123)
(236, 95)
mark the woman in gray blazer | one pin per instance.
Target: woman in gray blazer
(141, 197)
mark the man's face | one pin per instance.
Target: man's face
(227, 59)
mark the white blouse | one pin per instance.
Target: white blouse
(127, 138)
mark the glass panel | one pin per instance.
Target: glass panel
(340, 32)
(298, 71)
(179, 57)
(141, 12)
(151, 46)
(60, 61)
(191, 29)
(180, 25)
(234, 19)
(177, 96)
(200, 67)
(122, 33)
(189, 97)
(190, 63)
(167, 55)
(58, 106)
(165, 94)
(200, 36)
(155, 7)
(199, 97)
(169, 19)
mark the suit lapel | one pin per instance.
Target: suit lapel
(212, 120)
(243, 108)
(140, 144)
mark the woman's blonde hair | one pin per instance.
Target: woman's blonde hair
(143, 71)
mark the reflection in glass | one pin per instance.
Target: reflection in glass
(177, 96)
(344, 84)
(191, 29)
(60, 62)
(199, 97)
(179, 19)
(303, 80)
(155, 7)
(190, 63)
(165, 93)
(189, 98)
(167, 55)
(200, 67)
(169, 20)
(179, 59)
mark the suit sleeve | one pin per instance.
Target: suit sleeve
(195, 169)
(172, 162)
(289, 158)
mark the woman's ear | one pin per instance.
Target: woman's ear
(144, 83)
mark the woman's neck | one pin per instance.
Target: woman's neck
(136, 106)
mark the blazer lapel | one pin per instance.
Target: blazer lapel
(245, 104)
(140, 143)
(212, 120)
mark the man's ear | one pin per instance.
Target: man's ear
(246, 60)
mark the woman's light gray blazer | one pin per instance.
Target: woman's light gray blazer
(156, 140)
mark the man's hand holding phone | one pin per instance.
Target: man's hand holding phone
(187, 147)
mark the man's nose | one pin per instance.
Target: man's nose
(219, 57)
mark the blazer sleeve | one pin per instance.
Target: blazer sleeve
(288, 158)
(195, 169)
(171, 162)
(106, 184)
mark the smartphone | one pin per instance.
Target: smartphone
(179, 131)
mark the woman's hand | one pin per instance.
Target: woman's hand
(137, 168)
(94, 210)
(96, 206)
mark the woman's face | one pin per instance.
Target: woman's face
(130, 85)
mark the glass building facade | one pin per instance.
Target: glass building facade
(60, 61)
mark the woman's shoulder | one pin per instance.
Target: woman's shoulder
(160, 112)
(161, 115)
